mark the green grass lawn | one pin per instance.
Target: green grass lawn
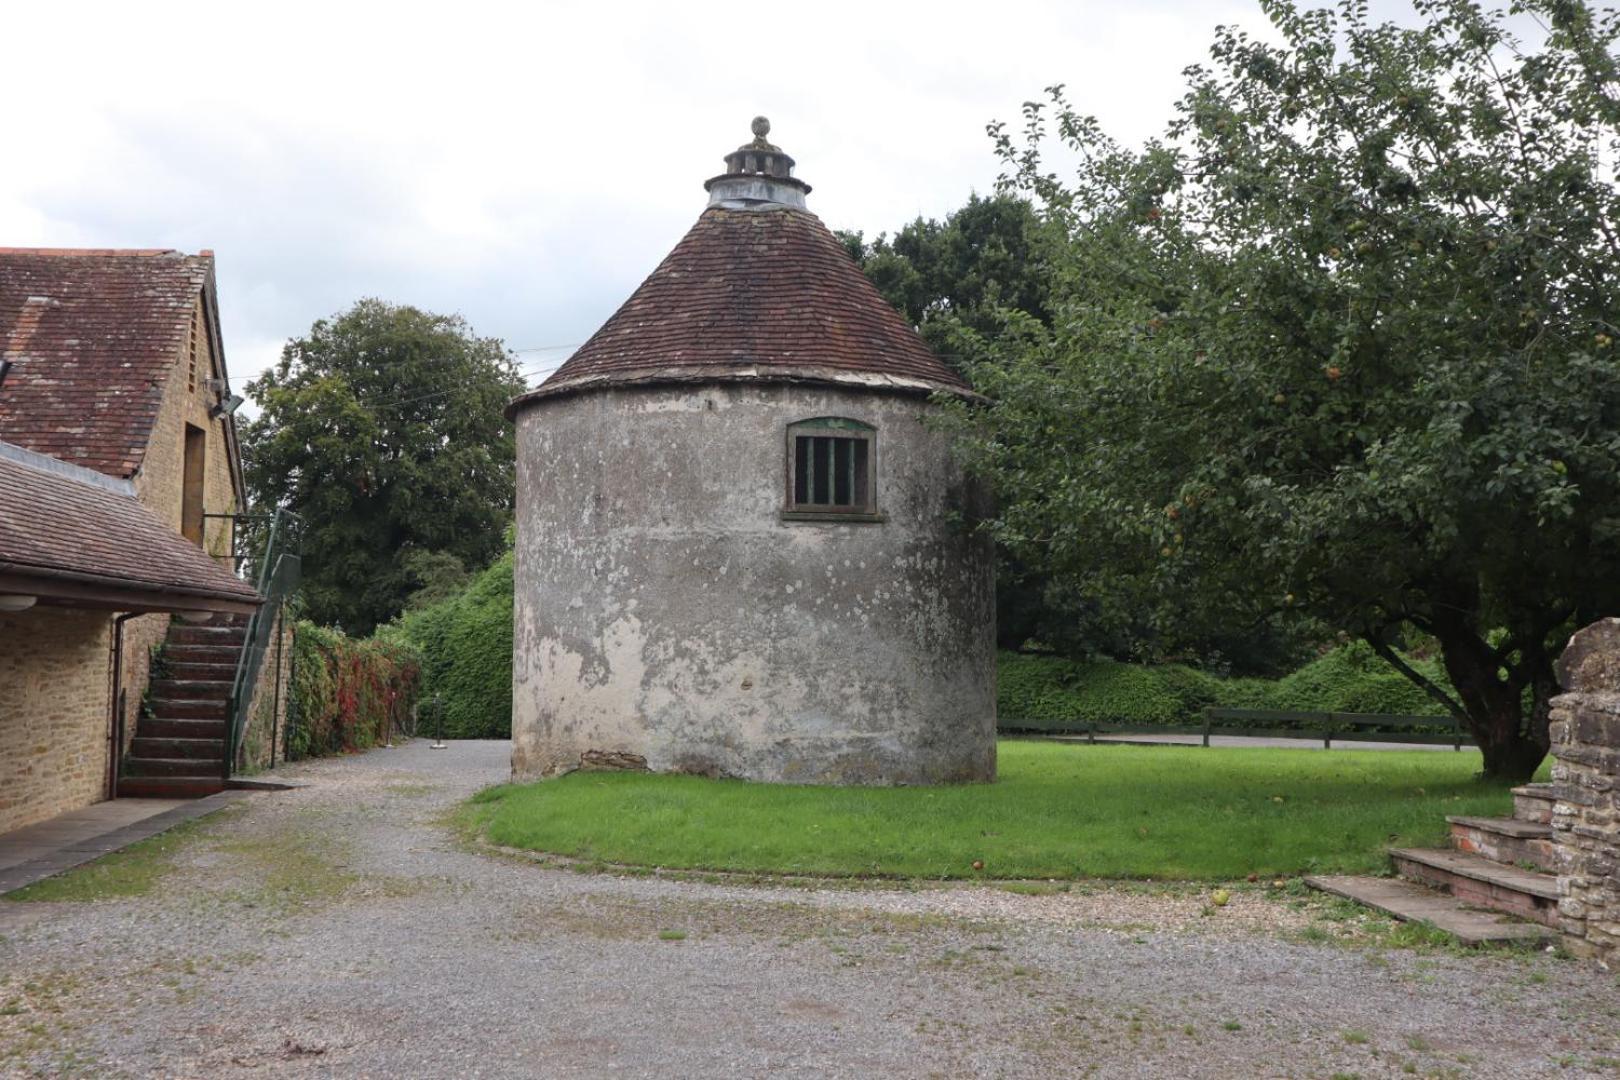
(1059, 810)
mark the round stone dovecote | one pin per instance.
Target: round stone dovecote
(741, 546)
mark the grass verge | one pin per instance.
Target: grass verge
(130, 871)
(1058, 811)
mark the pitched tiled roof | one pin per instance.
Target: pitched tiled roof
(66, 524)
(769, 293)
(91, 336)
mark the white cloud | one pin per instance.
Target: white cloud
(525, 165)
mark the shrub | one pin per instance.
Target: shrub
(345, 694)
(1353, 678)
(465, 643)
(1106, 692)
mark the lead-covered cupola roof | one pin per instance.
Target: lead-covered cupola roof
(757, 290)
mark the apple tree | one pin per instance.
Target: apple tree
(1340, 345)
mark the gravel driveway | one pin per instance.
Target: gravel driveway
(344, 930)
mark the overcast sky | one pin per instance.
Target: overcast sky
(524, 165)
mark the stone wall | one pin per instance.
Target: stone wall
(158, 483)
(142, 635)
(1585, 733)
(54, 716)
(265, 739)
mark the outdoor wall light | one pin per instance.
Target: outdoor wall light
(195, 616)
(228, 402)
(12, 602)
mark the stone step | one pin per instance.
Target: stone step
(168, 787)
(180, 729)
(149, 766)
(202, 654)
(1506, 840)
(181, 634)
(1476, 880)
(1533, 803)
(147, 745)
(1411, 902)
(191, 689)
(202, 671)
(187, 709)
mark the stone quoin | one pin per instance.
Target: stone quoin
(742, 549)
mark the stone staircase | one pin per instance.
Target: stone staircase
(1495, 867)
(179, 747)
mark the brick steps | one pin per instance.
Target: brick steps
(180, 728)
(149, 746)
(188, 708)
(169, 787)
(203, 670)
(179, 745)
(1494, 864)
(1479, 881)
(151, 766)
(1411, 902)
(178, 655)
(1506, 840)
(191, 689)
(183, 634)
(1533, 803)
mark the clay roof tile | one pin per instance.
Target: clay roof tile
(91, 335)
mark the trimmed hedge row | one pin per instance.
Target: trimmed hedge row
(1347, 679)
(345, 694)
(465, 644)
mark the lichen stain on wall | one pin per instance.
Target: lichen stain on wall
(665, 610)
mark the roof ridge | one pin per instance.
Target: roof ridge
(98, 252)
(32, 459)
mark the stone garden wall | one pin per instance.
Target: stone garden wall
(1585, 733)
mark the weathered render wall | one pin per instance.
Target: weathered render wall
(667, 618)
(54, 680)
(1585, 732)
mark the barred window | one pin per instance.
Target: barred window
(831, 469)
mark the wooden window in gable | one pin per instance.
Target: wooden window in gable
(831, 471)
(194, 467)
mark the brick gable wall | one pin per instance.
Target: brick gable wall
(158, 487)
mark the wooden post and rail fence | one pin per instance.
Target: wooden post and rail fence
(1345, 727)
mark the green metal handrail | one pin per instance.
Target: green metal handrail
(280, 571)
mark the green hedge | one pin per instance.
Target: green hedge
(345, 694)
(466, 647)
(1347, 679)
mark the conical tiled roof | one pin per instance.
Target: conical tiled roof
(759, 289)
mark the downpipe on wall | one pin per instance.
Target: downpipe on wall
(115, 721)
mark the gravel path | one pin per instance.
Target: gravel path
(343, 930)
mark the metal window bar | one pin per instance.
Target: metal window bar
(830, 471)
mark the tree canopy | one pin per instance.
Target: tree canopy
(959, 272)
(382, 429)
(1340, 345)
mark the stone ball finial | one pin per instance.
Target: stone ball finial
(1591, 660)
(761, 127)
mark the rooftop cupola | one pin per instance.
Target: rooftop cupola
(758, 176)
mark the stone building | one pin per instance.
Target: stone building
(118, 469)
(742, 547)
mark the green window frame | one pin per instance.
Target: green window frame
(831, 470)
